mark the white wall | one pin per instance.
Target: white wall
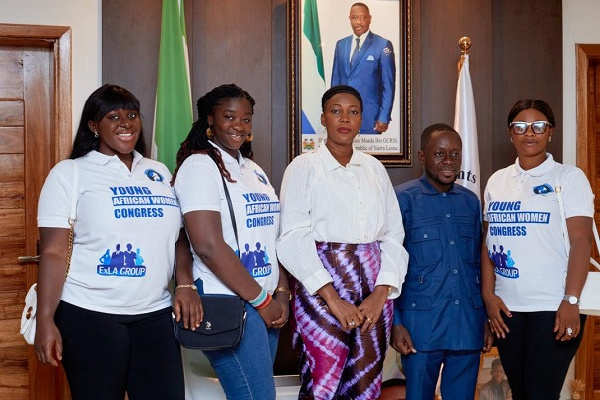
(84, 18)
(580, 25)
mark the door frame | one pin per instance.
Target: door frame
(47, 381)
(58, 38)
(585, 146)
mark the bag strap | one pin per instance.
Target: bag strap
(561, 206)
(233, 223)
(72, 215)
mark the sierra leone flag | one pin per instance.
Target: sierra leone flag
(313, 75)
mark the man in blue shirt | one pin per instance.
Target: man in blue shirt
(371, 71)
(440, 317)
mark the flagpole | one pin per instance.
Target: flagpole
(465, 123)
(465, 44)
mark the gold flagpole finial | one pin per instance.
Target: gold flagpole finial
(465, 44)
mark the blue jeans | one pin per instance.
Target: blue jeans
(246, 372)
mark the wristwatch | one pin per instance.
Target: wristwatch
(571, 299)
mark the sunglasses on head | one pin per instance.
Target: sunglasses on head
(538, 127)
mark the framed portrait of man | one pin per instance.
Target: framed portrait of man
(365, 45)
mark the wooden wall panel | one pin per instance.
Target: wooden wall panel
(516, 53)
(527, 45)
(232, 44)
(11, 113)
(11, 139)
(130, 47)
(11, 84)
(437, 27)
(12, 167)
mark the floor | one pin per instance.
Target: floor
(201, 382)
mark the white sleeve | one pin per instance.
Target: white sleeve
(296, 247)
(578, 196)
(394, 257)
(54, 206)
(198, 185)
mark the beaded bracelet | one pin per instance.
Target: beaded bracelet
(265, 303)
(258, 299)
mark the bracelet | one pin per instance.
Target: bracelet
(284, 290)
(258, 299)
(265, 303)
(192, 286)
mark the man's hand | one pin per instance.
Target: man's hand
(401, 340)
(380, 127)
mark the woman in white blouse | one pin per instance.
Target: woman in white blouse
(341, 239)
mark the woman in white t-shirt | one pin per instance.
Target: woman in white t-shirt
(218, 152)
(533, 310)
(110, 321)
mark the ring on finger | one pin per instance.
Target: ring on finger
(569, 331)
(352, 323)
(369, 320)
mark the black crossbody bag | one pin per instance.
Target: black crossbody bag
(224, 315)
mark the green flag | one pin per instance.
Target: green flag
(313, 75)
(173, 115)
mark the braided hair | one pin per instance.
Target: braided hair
(197, 142)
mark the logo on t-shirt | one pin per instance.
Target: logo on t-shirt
(543, 189)
(154, 175)
(261, 177)
(256, 260)
(122, 263)
(504, 264)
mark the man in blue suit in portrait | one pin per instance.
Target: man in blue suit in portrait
(366, 62)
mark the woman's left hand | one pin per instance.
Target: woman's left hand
(283, 299)
(372, 306)
(187, 305)
(567, 324)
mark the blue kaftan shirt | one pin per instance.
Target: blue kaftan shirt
(440, 303)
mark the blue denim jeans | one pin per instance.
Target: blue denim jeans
(246, 372)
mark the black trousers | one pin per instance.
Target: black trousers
(106, 355)
(535, 363)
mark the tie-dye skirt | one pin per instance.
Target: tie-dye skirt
(335, 363)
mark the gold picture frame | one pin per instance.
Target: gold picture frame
(391, 18)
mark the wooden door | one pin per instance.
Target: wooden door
(35, 132)
(587, 366)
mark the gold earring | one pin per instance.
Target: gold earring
(209, 133)
(249, 137)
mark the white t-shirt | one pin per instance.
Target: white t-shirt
(322, 201)
(199, 187)
(127, 225)
(525, 232)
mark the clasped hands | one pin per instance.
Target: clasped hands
(365, 315)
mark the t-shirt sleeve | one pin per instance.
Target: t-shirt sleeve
(578, 196)
(198, 185)
(54, 205)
